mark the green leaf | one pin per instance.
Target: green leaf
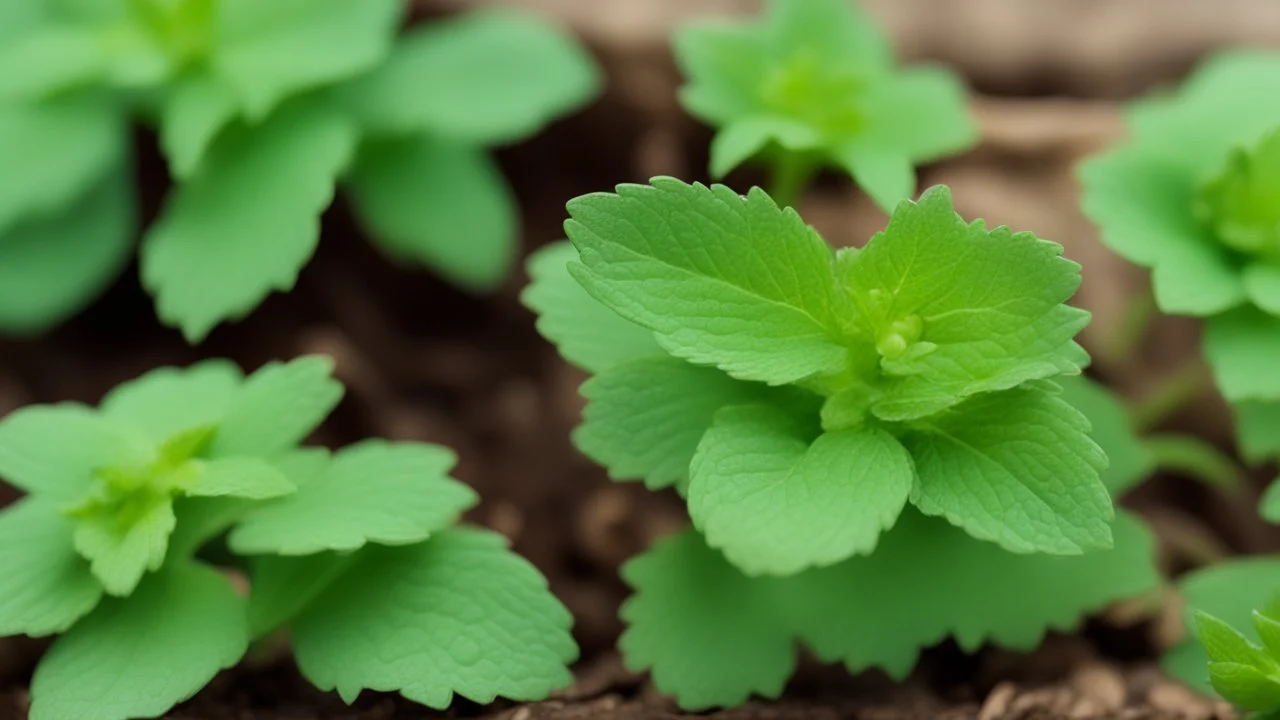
(250, 478)
(887, 176)
(201, 520)
(1229, 591)
(439, 203)
(284, 586)
(52, 266)
(122, 546)
(722, 64)
(941, 335)
(52, 451)
(222, 243)
(45, 587)
(1241, 347)
(271, 51)
(776, 503)
(1224, 644)
(138, 657)
(644, 417)
(169, 400)
(1130, 460)
(1262, 284)
(1016, 468)
(919, 113)
(708, 634)
(587, 334)
(50, 59)
(521, 73)
(756, 299)
(277, 407)
(1258, 429)
(371, 492)
(1268, 628)
(64, 146)
(457, 614)
(1245, 686)
(1269, 505)
(193, 113)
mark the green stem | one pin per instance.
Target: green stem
(791, 174)
(1176, 390)
(1194, 458)
(1139, 310)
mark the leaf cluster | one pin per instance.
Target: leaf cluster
(1243, 673)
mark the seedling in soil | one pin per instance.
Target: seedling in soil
(355, 553)
(870, 441)
(261, 109)
(813, 84)
(1245, 674)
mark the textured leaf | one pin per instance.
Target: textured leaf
(46, 586)
(521, 73)
(442, 204)
(194, 112)
(247, 222)
(1130, 460)
(1015, 468)
(721, 279)
(122, 547)
(53, 450)
(942, 336)
(1245, 686)
(277, 407)
(51, 266)
(776, 503)
(371, 492)
(169, 400)
(587, 334)
(250, 478)
(270, 51)
(457, 614)
(139, 656)
(1242, 347)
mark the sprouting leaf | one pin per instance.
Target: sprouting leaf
(587, 334)
(194, 112)
(223, 243)
(442, 204)
(1016, 468)
(247, 477)
(371, 492)
(457, 614)
(122, 544)
(170, 400)
(1241, 347)
(1129, 459)
(277, 407)
(522, 72)
(757, 300)
(141, 655)
(776, 501)
(45, 587)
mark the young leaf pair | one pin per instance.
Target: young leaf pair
(801, 399)
(354, 552)
(1245, 674)
(261, 109)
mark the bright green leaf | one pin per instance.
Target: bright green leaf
(48, 60)
(141, 655)
(1224, 644)
(122, 546)
(459, 613)
(277, 407)
(442, 204)
(194, 112)
(887, 176)
(371, 492)
(1130, 460)
(283, 586)
(919, 113)
(1245, 686)
(1242, 347)
(1268, 629)
(44, 585)
(170, 400)
(250, 478)
(1262, 284)
(53, 450)
(1016, 468)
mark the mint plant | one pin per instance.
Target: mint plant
(837, 422)
(1243, 673)
(813, 84)
(355, 553)
(261, 109)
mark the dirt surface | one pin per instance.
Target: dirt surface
(424, 361)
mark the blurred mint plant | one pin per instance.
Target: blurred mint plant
(261, 109)
(813, 84)
(354, 552)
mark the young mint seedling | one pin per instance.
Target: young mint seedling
(354, 552)
(813, 84)
(1245, 674)
(261, 109)
(800, 399)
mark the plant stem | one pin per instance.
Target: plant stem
(791, 174)
(1177, 389)
(1194, 458)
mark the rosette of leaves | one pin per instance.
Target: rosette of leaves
(262, 109)
(813, 84)
(354, 552)
(870, 443)
(1242, 672)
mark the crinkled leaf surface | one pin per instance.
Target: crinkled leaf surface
(248, 220)
(170, 400)
(776, 502)
(1241, 347)
(459, 614)
(122, 546)
(44, 585)
(1129, 459)
(440, 203)
(277, 407)
(587, 334)
(371, 492)
(141, 655)
(53, 450)
(1016, 468)
(521, 73)
(757, 299)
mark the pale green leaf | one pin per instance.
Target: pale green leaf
(48, 60)
(1269, 505)
(123, 546)
(1245, 686)
(44, 585)
(284, 586)
(169, 400)
(277, 407)
(723, 64)
(1016, 468)
(246, 477)
(520, 73)
(372, 492)
(885, 175)
(141, 655)
(776, 502)
(1130, 460)
(1262, 284)
(1242, 347)
(1225, 644)
(839, 33)
(442, 204)
(53, 450)
(248, 220)
(202, 519)
(740, 140)
(1258, 429)
(587, 334)
(459, 613)
(919, 113)
(1268, 629)
(197, 108)
(721, 279)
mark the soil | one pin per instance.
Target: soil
(424, 361)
